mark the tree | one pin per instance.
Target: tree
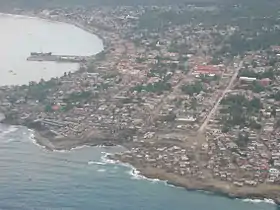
(48, 108)
(225, 129)
(243, 139)
(256, 87)
(255, 104)
(255, 125)
(273, 112)
(192, 89)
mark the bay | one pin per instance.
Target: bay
(22, 35)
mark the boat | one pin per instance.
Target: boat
(40, 54)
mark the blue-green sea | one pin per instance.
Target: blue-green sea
(33, 178)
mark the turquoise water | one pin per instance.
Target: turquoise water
(32, 178)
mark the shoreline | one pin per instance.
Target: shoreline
(193, 185)
(146, 174)
(67, 144)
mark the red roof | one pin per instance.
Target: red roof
(55, 107)
(266, 79)
(210, 69)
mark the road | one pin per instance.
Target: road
(205, 123)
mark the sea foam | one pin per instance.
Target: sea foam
(101, 170)
(34, 141)
(133, 172)
(95, 163)
(265, 200)
(11, 129)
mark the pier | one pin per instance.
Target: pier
(58, 58)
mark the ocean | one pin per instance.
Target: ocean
(33, 178)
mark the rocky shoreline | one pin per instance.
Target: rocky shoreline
(215, 187)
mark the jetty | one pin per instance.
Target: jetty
(57, 58)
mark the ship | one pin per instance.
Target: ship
(40, 54)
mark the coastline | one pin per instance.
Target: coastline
(248, 194)
(192, 185)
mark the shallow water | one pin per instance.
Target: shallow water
(33, 178)
(22, 35)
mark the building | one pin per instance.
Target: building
(207, 69)
(247, 79)
(275, 48)
(265, 81)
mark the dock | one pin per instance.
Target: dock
(59, 58)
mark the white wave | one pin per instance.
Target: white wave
(34, 141)
(61, 151)
(265, 200)
(10, 130)
(101, 146)
(101, 170)
(133, 172)
(95, 163)
(79, 147)
(10, 140)
(37, 144)
(137, 175)
(106, 160)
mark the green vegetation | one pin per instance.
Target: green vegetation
(275, 96)
(240, 111)
(256, 87)
(243, 139)
(39, 91)
(140, 60)
(100, 56)
(208, 79)
(77, 97)
(110, 75)
(157, 87)
(271, 73)
(168, 118)
(192, 89)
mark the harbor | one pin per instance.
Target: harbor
(34, 56)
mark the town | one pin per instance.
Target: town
(195, 102)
